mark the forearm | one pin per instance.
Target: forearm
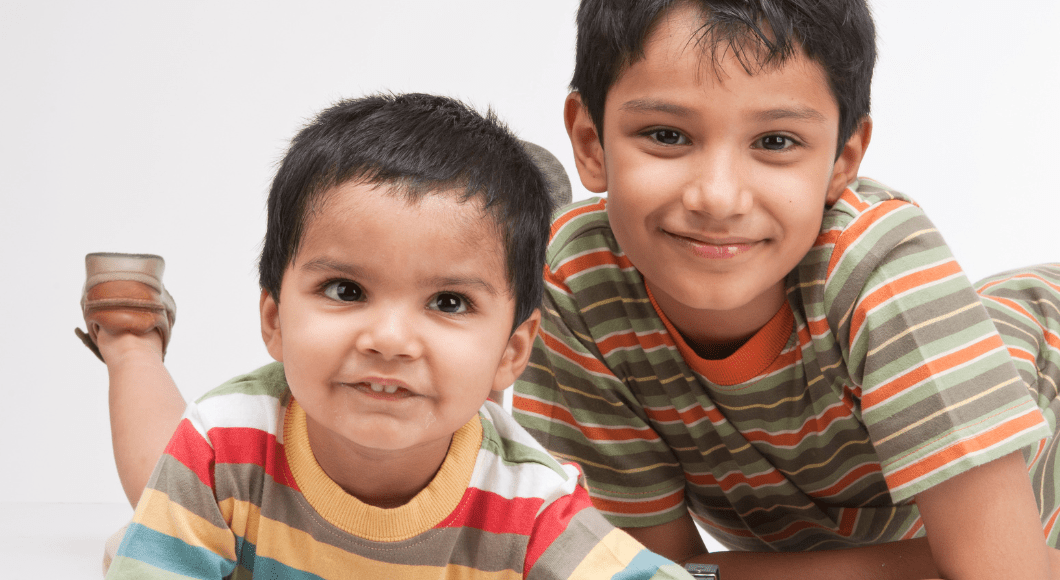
(905, 560)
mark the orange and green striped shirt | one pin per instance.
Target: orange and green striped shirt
(239, 494)
(882, 376)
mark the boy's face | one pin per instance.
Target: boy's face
(394, 322)
(716, 179)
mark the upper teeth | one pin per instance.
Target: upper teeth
(390, 389)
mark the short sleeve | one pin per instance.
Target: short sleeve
(938, 392)
(572, 540)
(178, 529)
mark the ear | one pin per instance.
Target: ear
(847, 165)
(588, 150)
(517, 353)
(270, 325)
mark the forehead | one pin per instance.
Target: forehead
(385, 217)
(679, 51)
(679, 72)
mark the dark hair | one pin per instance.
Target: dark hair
(415, 144)
(837, 34)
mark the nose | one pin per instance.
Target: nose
(391, 334)
(715, 185)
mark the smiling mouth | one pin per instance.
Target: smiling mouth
(389, 392)
(720, 250)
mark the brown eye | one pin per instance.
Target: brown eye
(668, 137)
(775, 142)
(449, 303)
(344, 291)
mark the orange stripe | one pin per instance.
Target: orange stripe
(852, 199)
(913, 529)
(632, 339)
(1050, 338)
(930, 368)
(639, 506)
(588, 363)
(898, 286)
(1052, 522)
(569, 215)
(572, 268)
(601, 434)
(960, 449)
(827, 238)
(860, 224)
(733, 480)
(688, 416)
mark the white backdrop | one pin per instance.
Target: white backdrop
(156, 127)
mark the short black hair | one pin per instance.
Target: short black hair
(837, 34)
(414, 144)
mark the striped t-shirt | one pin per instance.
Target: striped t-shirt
(238, 494)
(882, 376)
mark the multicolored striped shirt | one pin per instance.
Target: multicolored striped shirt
(882, 376)
(238, 494)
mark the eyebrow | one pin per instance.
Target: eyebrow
(332, 266)
(468, 282)
(655, 106)
(328, 265)
(796, 113)
(778, 114)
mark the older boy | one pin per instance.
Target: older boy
(400, 278)
(746, 334)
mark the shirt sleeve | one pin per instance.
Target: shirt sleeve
(937, 389)
(572, 540)
(178, 530)
(580, 410)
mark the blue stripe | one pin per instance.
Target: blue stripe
(644, 565)
(172, 554)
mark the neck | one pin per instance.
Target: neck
(716, 334)
(380, 478)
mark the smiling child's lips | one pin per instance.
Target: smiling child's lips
(387, 391)
(716, 248)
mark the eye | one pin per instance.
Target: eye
(449, 303)
(775, 142)
(344, 291)
(668, 137)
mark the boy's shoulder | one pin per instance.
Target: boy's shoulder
(252, 400)
(268, 381)
(864, 195)
(510, 448)
(582, 242)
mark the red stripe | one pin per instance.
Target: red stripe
(246, 445)
(188, 447)
(493, 513)
(552, 523)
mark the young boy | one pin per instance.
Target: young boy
(400, 281)
(746, 335)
